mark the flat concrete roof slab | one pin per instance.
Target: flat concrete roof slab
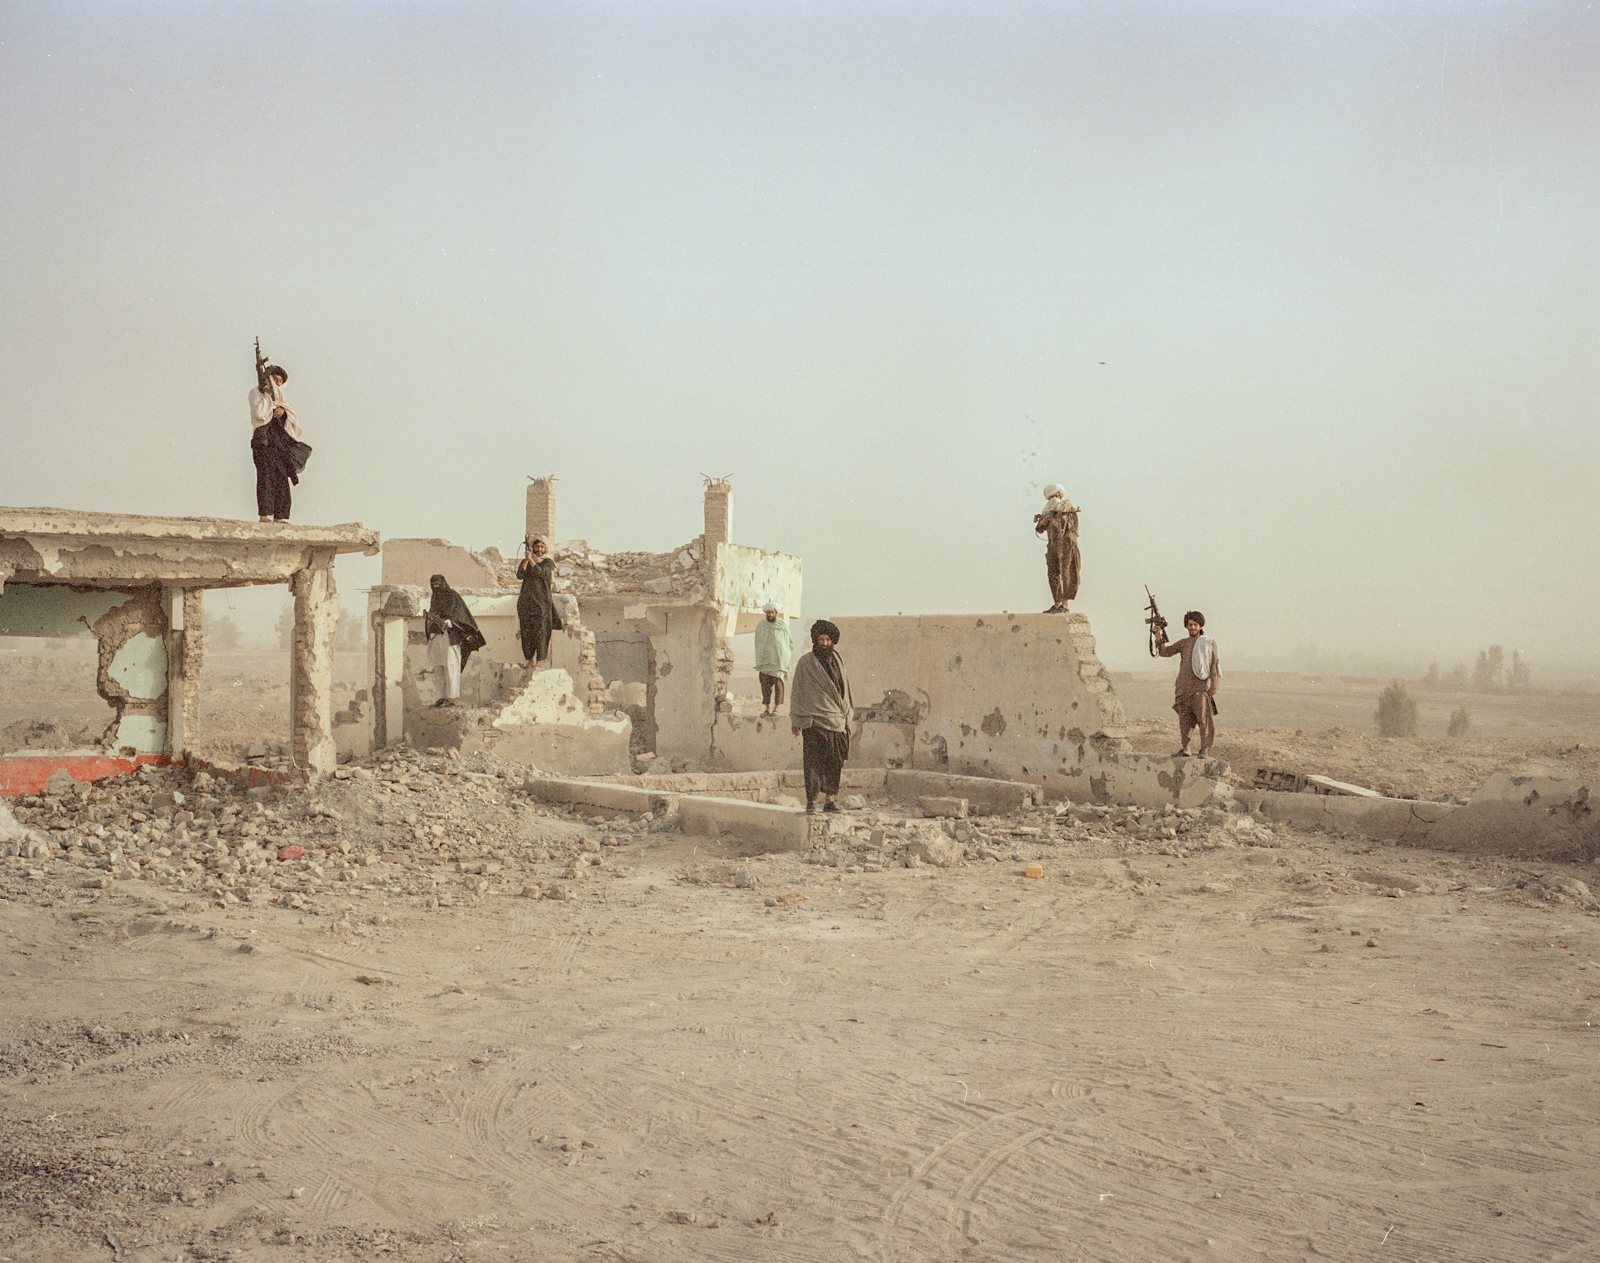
(76, 546)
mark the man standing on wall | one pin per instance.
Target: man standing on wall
(275, 443)
(819, 714)
(453, 637)
(1199, 673)
(774, 648)
(1058, 523)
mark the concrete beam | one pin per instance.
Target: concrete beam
(760, 829)
(582, 793)
(1401, 819)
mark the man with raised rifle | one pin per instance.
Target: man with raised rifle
(1199, 674)
(275, 443)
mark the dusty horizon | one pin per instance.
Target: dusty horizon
(1298, 303)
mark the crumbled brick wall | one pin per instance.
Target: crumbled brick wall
(140, 614)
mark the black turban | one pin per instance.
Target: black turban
(822, 627)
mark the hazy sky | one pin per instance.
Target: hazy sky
(1299, 300)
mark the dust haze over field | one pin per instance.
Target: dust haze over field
(1297, 301)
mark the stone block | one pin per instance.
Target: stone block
(984, 797)
(758, 827)
(954, 808)
(936, 848)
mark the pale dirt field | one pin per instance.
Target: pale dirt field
(1239, 1049)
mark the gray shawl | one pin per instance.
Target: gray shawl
(814, 700)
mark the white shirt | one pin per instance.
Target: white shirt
(261, 407)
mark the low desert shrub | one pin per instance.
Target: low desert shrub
(1460, 723)
(1396, 715)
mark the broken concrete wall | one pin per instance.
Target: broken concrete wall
(548, 725)
(511, 711)
(54, 609)
(411, 562)
(1014, 696)
(1534, 816)
(683, 695)
(542, 721)
(747, 578)
(753, 742)
(677, 646)
(132, 673)
(131, 625)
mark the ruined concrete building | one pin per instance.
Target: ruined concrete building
(134, 583)
(644, 661)
(639, 679)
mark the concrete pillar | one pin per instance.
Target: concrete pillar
(388, 684)
(719, 514)
(185, 655)
(541, 512)
(316, 617)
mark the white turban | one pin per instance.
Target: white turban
(1054, 489)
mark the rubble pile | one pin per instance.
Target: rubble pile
(433, 830)
(873, 840)
(584, 571)
(426, 829)
(49, 734)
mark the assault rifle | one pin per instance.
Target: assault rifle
(1157, 624)
(262, 384)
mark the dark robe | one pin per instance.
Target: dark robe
(536, 610)
(279, 460)
(448, 604)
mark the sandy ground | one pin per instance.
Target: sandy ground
(1253, 1045)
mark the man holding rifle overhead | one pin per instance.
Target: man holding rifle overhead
(275, 443)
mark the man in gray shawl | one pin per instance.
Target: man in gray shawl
(820, 713)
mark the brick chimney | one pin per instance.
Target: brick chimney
(719, 514)
(541, 513)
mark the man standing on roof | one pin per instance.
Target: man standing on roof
(819, 714)
(275, 443)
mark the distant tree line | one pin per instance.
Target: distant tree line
(1490, 674)
(349, 637)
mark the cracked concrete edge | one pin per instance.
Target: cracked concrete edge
(1398, 818)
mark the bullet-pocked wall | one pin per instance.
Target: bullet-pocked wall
(1019, 697)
